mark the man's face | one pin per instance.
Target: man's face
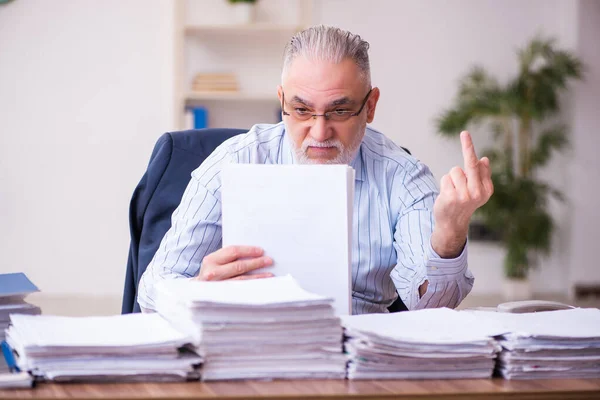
(317, 87)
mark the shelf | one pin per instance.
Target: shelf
(249, 28)
(210, 38)
(232, 96)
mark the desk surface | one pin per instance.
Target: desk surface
(305, 389)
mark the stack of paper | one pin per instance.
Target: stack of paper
(117, 348)
(551, 344)
(256, 329)
(21, 380)
(426, 344)
(13, 289)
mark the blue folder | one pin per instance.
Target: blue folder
(16, 284)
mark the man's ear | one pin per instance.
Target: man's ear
(280, 93)
(372, 104)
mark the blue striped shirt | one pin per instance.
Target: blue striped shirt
(392, 224)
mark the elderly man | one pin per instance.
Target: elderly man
(408, 240)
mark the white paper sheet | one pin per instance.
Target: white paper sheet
(575, 323)
(277, 292)
(301, 215)
(433, 326)
(134, 330)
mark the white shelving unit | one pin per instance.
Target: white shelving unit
(205, 42)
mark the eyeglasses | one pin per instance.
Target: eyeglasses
(339, 115)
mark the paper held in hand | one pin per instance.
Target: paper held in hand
(301, 215)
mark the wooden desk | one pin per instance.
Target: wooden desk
(296, 390)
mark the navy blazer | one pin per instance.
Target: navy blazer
(175, 156)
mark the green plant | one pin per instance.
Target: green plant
(521, 114)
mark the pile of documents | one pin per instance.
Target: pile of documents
(426, 344)
(256, 329)
(13, 289)
(551, 344)
(21, 380)
(134, 347)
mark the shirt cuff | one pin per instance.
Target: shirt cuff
(440, 268)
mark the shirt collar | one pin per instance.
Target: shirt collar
(357, 164)
(287, 152)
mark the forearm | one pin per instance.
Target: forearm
(178, 257)
(146, 294)
(448, 242)
(449, 281)
(434, 282)
(195, 233)
(431, 268)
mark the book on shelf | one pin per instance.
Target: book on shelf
(196, 118)
(215, 82)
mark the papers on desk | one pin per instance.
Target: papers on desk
(426, 344)
(21, 380)
(551, 344)
(13, 290)
(130, 347)
(301, 215)
(256, 329)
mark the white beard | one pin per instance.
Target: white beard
(345, 154)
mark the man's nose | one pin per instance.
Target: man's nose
(320, 129)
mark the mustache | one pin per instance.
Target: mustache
(309, 142)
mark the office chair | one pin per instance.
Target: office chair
(175, 156)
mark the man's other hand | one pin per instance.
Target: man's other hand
(461, 193)
(233, 262)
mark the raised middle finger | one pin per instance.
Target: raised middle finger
(472, 168)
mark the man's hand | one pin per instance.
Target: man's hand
(461, 193)
(232, 262)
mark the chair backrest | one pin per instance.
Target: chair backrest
(159, 192)
(175, 156)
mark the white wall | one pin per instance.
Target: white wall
(85, 90)
(585, 167)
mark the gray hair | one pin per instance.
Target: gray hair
(328, 43)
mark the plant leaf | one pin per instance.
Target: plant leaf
(554, 138)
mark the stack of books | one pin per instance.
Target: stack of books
(13, 290)
(133, 347)
(256, 329)
(215, 82)
(549, 345)
(426, 344)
